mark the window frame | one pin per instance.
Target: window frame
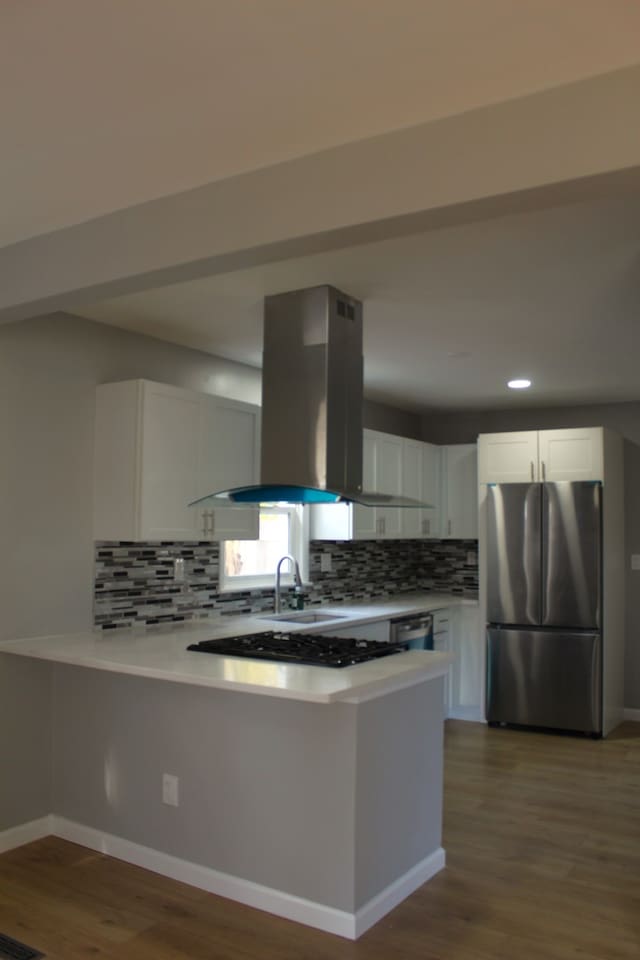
(298, 547)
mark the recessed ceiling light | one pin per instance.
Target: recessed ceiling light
(519, 384)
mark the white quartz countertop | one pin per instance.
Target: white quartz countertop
(160, 653)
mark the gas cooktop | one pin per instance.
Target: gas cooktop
(312, 649)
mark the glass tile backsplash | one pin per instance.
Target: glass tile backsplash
(135, 583)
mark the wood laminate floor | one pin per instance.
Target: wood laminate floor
(543, 863)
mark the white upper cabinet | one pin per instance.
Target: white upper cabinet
(388, 478)
(421, 464)
(539, 455)
(508, 457)
(167, 460)
(229, 451)
(381, 473)
(157, 448)
(355, 521)
(413, 475)
(430, 523)
(571, 454)
(445, 477)
(459, 492)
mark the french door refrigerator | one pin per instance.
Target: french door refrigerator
(544, 605)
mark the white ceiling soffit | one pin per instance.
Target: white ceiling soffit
(450, 315)
(106, 105)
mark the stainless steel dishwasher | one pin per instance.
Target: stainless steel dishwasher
(415, 630)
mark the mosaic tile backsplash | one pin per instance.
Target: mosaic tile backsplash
(134, 581)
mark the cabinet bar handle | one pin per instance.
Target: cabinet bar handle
(533, 475)
(449, 527)
(544, 471)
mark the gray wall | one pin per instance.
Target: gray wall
(332, 802)
(25, 740)
(266, 786)
(49, 368)
(624, 418)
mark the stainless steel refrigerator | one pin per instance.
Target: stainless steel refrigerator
(544, 605)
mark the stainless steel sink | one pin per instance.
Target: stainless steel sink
(305, 617)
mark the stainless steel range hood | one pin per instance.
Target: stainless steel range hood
(311, 449)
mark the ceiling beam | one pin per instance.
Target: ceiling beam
(557, 146)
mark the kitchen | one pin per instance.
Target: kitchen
(53, 364)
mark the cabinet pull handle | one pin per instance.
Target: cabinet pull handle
(208, 523)
(533, 473)
(544, 471)
(383, 525)
(449, 527)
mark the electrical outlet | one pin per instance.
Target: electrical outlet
(170, 789)
(635, 561)
(472, 558)
(178, 570)
(325, 563)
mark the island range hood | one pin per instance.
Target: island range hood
(312, 395)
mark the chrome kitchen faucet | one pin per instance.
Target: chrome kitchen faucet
(296, 574)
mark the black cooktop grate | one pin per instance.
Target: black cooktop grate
(11, 949)
(305, 648)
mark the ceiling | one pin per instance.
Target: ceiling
(106, 105)
(449, 315)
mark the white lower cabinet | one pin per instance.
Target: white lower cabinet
(159, 447)
(442, 644)
(467, 675)
(456, 630)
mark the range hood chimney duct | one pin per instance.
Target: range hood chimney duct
(312, 395)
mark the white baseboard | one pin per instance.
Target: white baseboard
(398, 891)
(222, 884)
(318, 915)
(631, 714)
(25, 833)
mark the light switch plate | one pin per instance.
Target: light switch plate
(635, 561)
(170, 785)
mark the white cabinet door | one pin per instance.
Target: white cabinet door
(508, 457)
(360, 523)
(442, 644)
(571, 454)
(467, 671)
(538, 455)
(460, 496)
(431, 489)
(158, 448)
(388, 479)
(412, 486)
(168, 463)
(229, 435)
